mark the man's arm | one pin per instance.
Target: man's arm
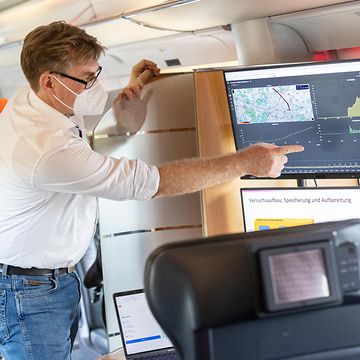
(191, 175)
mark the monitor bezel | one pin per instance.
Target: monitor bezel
(313, 188)
(330, 264)
(337, 175)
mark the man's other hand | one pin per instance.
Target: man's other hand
(267, 160)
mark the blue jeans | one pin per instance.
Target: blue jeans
(36, 314)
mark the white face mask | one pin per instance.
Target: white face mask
(89, 102)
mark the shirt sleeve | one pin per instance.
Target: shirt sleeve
(76, 168)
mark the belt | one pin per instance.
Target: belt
(15, 270)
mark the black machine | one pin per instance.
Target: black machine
(279, 294)
(316, 105)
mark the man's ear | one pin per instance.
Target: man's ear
(46, 82)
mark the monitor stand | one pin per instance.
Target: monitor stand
(301, 182)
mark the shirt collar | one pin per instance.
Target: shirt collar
(55, 117)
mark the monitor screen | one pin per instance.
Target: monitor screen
(273, 208)
(300, 275)
(316, 105)
(139, 329)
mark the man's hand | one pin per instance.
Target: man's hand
(142, 72)
(266, 160)
(140, 75)
(129, 109)
(129, 93)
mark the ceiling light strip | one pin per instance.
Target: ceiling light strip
(124, 15)
(162, 6)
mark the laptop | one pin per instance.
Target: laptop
(141, 334)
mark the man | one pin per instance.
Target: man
(50, 178)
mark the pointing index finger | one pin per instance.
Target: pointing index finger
(286, 149)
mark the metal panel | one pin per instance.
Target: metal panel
(151, 148)
(127, 255)
(119, 217)
(130, 230)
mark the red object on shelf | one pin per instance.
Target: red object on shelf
(3, 102)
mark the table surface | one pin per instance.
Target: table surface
(114, 355)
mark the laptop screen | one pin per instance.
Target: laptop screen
(273, 208)
(140, 331)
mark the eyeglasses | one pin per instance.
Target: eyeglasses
(88, 84)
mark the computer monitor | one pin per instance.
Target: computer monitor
(316, 105)
(273, 208)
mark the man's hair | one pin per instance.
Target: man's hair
(56, 47)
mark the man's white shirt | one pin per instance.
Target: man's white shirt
(49, 181)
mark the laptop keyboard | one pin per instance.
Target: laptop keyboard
(168, 356)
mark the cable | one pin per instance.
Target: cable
(315, 182)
